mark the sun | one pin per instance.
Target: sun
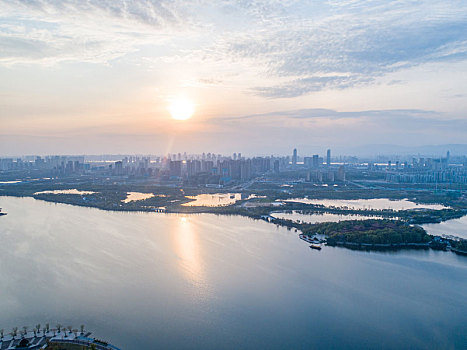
(181, 109)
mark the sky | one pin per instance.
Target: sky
(99, 76)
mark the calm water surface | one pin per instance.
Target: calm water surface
(148, 280)
(455, 227)
(137, 196)
(376, 203)
(71, 191)
(213, 200)
(321, 217)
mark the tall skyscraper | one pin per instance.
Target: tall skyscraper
(294, 157)
(328, 157)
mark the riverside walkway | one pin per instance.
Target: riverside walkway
(51, 339)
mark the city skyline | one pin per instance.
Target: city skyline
(198, 174)
(100, 77)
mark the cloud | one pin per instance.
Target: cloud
(312, 113)
(311, 129)
(299, 87)
(293, 47)
(49, 32)
(354, 43)
(152, 13)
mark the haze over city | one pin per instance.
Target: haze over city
(264, 76)
(233, 174)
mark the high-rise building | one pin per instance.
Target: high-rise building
(341, 173)
(294, 157)
(315, 161)
(328, 157)
(175, 168)
(276, 166)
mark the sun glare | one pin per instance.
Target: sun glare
(181, 109)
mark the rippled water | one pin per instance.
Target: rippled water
(149, 280)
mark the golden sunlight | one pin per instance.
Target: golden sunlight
(187, 248)
(181, 109)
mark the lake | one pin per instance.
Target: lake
(454, 227)
(213, 200)
(321, 217)
(375, 203)
(151, 280)
(71, 191)
(137, 196)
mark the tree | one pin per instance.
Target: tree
(14, 332)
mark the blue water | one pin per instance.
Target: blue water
(149, 280)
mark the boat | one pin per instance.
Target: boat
(306, 238)
(315, 246)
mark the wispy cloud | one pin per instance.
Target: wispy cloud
(296, 47)
(352, 45)
(48, 32)
(310, 113)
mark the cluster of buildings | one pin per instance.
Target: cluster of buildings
(208, 166)
(205, 168)
(318, 169)
(428, 170)
(314, 161)
(218, 169)
(60, 165)
(450, 175)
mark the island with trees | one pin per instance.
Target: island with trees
(373, 232)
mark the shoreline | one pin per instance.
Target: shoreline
(414, 216)
(241, 211)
